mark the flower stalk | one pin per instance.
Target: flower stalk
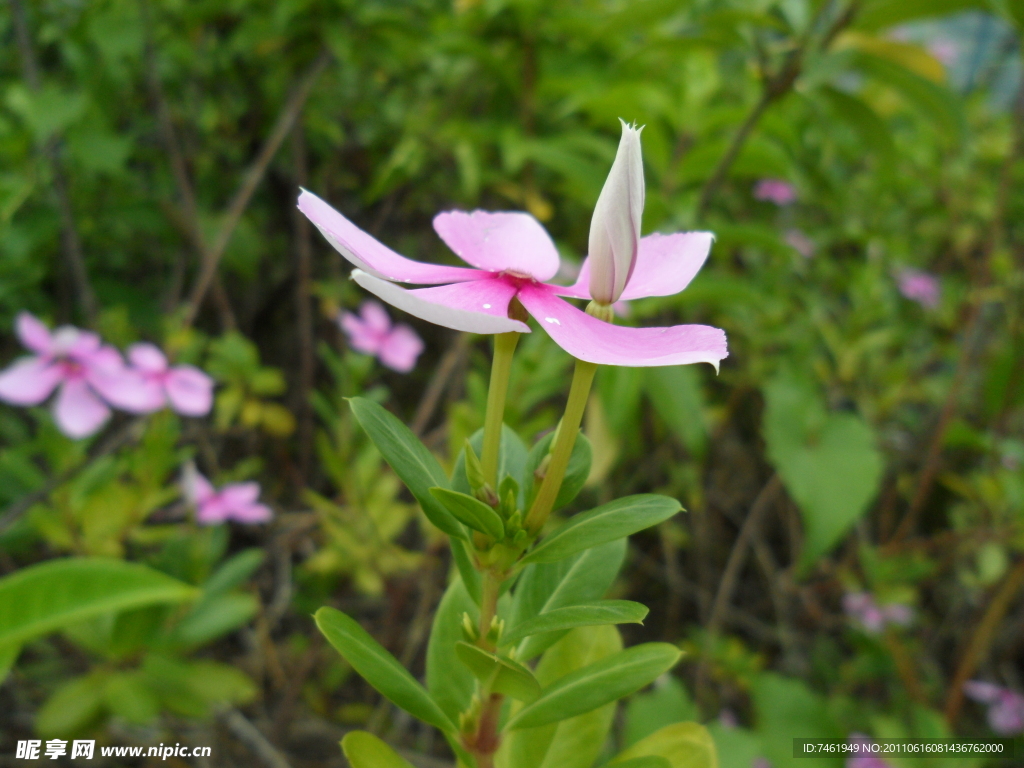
(501, 368)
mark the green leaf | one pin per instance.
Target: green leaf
(503, 675)
(666, 703)
(471, 511)
(449, 682)
(127, 695)
(234, 571)
(8, 655)
(512, 458)
(649, 761)
(785, 706)
(412, 462)
(44, 597)
(870, 129)
(681, 745)
(543, 587)
(676, 395)
(827, 461)
(214, 617)
(580, 615)
(364, 750)
(73, 707)
(596, 684)
(464, 562)
(882, 14)
(615, 520)
(578, 741)
(380, 669)
(576, 473)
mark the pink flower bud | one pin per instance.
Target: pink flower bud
(615, 227)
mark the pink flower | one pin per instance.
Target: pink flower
(801, 242)
(396, 346)
(775, 191)
(872, 618)
(1006, 707)
(919, 286)
(87, 372)
(235, 501)
(512, 257)
(188, 390)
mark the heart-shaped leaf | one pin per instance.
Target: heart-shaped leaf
(827, 461)
(614, 520)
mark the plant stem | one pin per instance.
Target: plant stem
(501, 367)
(582, 378)
(490, 589)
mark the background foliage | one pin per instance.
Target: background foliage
(855, 440)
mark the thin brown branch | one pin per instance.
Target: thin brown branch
(250, 180)
(981, 640)
(249, 735)
(438, 383)
(71, 244)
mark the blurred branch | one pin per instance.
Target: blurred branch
(774, 87)
(247, 733)
(250, 180)
(981, 639)
(70, 242)
(439, 382)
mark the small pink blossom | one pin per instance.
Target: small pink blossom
(922, 287)
(760, 762)
(188, 390)
(775, 191)
(235, 501)
(944, 49)
(865, 758)
(372, 333)
(803, 245)
(873, 618)
(1005, 707)
(89, 374)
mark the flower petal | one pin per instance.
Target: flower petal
(124, 387)
(212, 511)
(251, 514)
(29, 381)
(371, 255)
(375, 316)
(480, 306)
(33, 333)
(400, 349)
(361, 337)
(665, 265)
(189, 390)
(595, 341)
(240, 494)
(197, 489)
(147, 357)
(77, 411)
(498, 242)
(979, 690)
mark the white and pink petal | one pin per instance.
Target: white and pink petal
(29, 381)
(33, 333)
(595, 341)
(480, 306)
(372, 256)
(77, 410)
(189, 390)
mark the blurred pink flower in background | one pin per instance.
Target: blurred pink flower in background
(873, 618)
(188, 390)
(866, 759)
(90, 376)
(760, 762)
(801, 242)
(371, 332)
(1006, 707)
(922, 287)
(235, 501)
(775, 191)
(945, 50)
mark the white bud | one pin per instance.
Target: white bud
(615, 227)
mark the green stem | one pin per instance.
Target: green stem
(582, 378)
(504, 346)
(490, 590)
